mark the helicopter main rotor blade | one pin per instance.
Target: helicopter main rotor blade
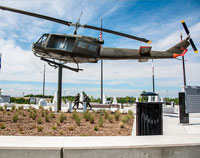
(37, 15)
(117, 33)
(68, 23)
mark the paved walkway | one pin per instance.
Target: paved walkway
(171, 125)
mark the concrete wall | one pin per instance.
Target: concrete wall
(184, 146)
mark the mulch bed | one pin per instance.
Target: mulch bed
(27, 126)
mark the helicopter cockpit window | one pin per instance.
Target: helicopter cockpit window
(42, 39)
(92, 47)
(82, 45)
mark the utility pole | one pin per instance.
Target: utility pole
(44, 81)
(183, 61)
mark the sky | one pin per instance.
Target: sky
(156, 20)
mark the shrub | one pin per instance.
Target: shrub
(87, 115)
(5, 107)
(40, 128)
(58, 123)
(39, 121)
(92, 119)
(100, 121)
(110, 118)
(1, 108)
(121, 125)
(61, 132)
(74, 114)
(71, 128)
(47, 118)
(52, 115)
(2, 126)
(106, 114)
(41, 107)
(33, 114)
(125, 119)
(54, 127)
(13, 108)
(130, 113)
(96, 128)
(21, 107)
(15, 117)
(78, 120)
(62, 117)
(43, 113)
(117, 115)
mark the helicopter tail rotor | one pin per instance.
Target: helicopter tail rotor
(190, 39)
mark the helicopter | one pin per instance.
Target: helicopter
(84, 49)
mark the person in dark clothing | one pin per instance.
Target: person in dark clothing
(87, 101)
(76, 101)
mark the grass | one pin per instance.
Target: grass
(87, 115)
(62, 117)
(121, 125)
(71, 128)
(39, 121)
(40, 128)
(117, 115)
(101, 121)
(96, 128)
(2, 126)
(15, 117)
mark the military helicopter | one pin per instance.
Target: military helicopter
(84, 49)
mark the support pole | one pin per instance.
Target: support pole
(183, 61)
(153, 77)
(44, 82)
(101, 66)
(101, 81)
(59, 99)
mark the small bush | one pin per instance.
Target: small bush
(125, 119)
(58, 123)
(130, 113)
(117, 115)
(74, 114)
(61, 132)
(110, 118)
(71, 128)
(92, 119)
(5, 107)
(96, 128)
(87, 115)
(41, 107)
(2, 126)
(40, 128)
(121, 125)
(1, 108)
(78, 120)
(47, 118)
(43, 113)
(54, 127)
(62, 117)
(15, 117)
(21, 107)
(39, 121)
(13, 108)
(33, 115)
(106, 114)
(101, 121)
(52, 115)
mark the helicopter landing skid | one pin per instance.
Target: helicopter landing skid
(55, 65)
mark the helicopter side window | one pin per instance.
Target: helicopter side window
(57, 42)
(82, 45)
(69, 44)
(92, 47)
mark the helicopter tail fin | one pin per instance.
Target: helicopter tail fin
(179, 49)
